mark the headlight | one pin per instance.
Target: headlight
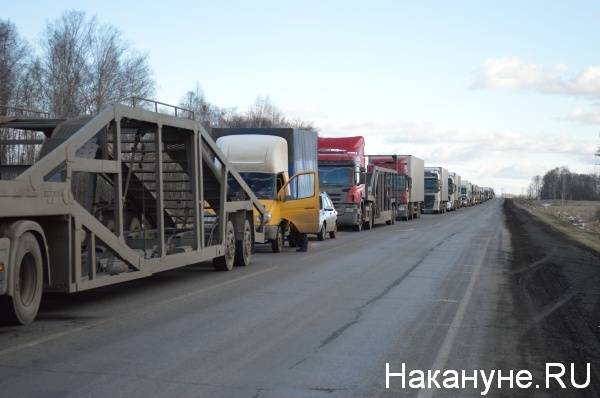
(265, 218)
(402, 207)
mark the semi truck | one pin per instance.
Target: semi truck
(266, 158)
(436, 189)
(466, 193)
(476, 194)
(67, 220)
(342, 176)
(457, 194)
(382, 196)
(453, 191)
(411, 176)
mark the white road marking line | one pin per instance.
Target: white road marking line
(446, 347)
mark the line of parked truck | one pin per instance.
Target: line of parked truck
(362, 190)
(133, 190)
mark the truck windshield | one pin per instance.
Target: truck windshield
(336, 176)
(463, 190)
(432, 185)
(262, 184)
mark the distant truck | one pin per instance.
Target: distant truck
(466, 193)
(457, 195)
(453, 191)
(382, 196)
(411, 176)
(265, 159)
(436, 189)
(342, 176)
(487, 193)
(476, 194)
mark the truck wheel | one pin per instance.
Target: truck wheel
(22, 307)
(226, 261)
(334, 232)
(358, 227)
(369, 224)
(277, 243)
(243, 248)
(293, 239)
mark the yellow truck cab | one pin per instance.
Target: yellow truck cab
(263, 158)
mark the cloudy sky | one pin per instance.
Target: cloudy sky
(497, 91)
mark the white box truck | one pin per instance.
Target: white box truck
(436, 189)
(453, 191)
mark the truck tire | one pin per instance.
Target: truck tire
(392, 219)
(358, 227)
(322, 232)
(226, 261)
(293, 239)
(243, 248)
(22, 307)
(277, 243)
(369, 224)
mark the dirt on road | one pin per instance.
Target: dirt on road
(555, 284)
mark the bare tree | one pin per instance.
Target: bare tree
(66, 51)
(13, 58)
(84, 66)
(560, 183)
(264, 114)
(205, 112)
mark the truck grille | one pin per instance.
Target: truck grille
(336, 198)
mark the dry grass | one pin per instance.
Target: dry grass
(578, 219)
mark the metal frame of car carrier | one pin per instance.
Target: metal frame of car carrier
(73, 238)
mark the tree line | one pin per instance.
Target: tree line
(561, 183)
(80, 65)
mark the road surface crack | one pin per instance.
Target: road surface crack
(359, 310)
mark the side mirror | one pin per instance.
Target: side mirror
(281, 195)
(363, 178)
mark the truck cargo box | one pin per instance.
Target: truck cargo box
(415, 169)
(302, 145)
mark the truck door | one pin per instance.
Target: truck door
(300, 202)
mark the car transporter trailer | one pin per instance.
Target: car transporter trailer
(113, 197)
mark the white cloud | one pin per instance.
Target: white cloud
(503, 159)
(512, 73)
(392, 134)
(582, 116)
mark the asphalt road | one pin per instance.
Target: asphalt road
(427, 293)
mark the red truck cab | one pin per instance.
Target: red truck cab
(341, 175)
